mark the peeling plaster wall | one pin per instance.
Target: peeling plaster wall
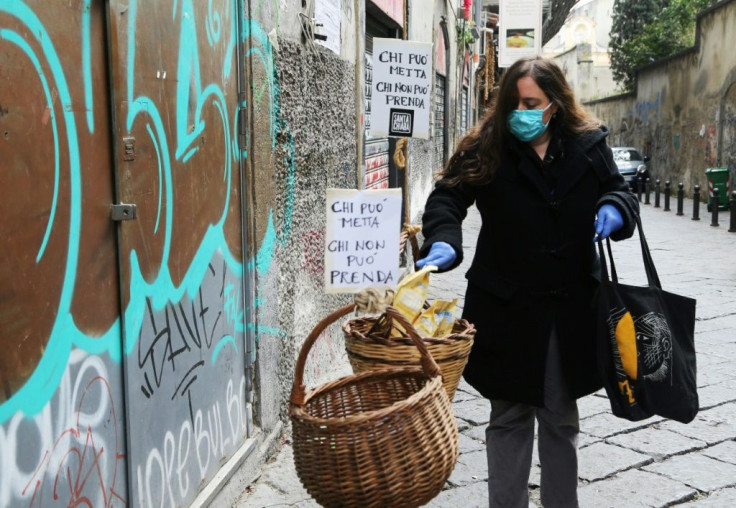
(303, 140)
(315, 150)
(683, 113)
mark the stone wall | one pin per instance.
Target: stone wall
(683, 112)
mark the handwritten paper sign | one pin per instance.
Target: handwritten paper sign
(362, 240)
(402, 88)
(327, 16)
(520, 30)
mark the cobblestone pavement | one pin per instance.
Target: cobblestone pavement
(653, 463)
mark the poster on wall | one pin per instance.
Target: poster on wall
(362, 239)
(327, 18)
(401, 89)
(520, 30)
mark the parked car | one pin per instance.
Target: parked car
(631, 164)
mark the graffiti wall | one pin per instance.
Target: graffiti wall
(124, 378)
(682, 113)
(728, 140)
(62, 419)
(142, 347)
(176, 98)
(316, 91)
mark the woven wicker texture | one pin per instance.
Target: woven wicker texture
(379, 438)
(369, 349)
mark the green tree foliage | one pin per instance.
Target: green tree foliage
(649, 35)
(629, 19)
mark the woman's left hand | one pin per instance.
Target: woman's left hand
(441, 255)
(609, 221)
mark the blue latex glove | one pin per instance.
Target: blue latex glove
(609, 221)
(441, 255)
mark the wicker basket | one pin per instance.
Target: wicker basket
(369, 349)
(379, 438)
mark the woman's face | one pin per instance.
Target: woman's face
(532, 97)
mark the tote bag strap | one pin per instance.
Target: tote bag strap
(652, 275)
(651, 271)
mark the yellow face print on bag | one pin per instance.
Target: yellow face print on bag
(626, 340)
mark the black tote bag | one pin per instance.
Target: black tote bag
(646, 350)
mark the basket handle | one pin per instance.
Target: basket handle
(429, 366)
(298, 390)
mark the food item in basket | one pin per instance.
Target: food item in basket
(437, 320)
(444, 311)
(412, 292)
(425, 325)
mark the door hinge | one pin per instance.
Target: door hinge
(129, 149)
(122, 212)
(242, 121)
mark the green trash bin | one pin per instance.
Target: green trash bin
(718, 178)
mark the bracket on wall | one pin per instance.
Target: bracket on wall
(309, 25)
(129, 148)
(122, 212)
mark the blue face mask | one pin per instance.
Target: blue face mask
(526, 124)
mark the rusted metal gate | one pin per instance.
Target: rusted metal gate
(123, 373)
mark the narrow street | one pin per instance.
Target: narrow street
(653, 463)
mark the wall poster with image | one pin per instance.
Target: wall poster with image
(520, 30)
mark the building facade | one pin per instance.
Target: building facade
(163, 168)
(581, 49)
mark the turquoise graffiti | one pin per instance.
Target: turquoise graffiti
(36, 392)
(33, 396)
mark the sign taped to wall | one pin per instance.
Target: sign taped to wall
(362, 239)
(327, 15)
(401, 90)
(520, 30)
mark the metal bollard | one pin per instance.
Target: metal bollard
(639, 188)
(732, 229)
(646, 191)
(680, 197)
(656, 193)
(696, 202)
(714, 209)
(667, 196)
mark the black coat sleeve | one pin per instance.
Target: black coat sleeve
(615, 191)
(444, 212)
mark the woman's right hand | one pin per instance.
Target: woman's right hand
(441, 255)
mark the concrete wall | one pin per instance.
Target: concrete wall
(304, 141)
(682, 112)
(305, 125)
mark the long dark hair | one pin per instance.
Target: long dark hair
(477, 155)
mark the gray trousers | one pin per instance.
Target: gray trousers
(510, 438)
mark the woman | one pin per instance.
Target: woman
(539, 170)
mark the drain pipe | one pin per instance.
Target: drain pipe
(247, 283)
(359, 6)
(446, 105)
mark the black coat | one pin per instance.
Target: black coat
(535, 263)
